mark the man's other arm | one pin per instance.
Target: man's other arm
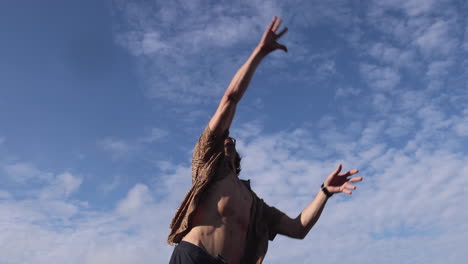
(300, 226)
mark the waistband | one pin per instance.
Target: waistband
(189, 247)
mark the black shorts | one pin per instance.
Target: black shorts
(188, 253)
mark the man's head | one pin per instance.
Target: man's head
(231, 153)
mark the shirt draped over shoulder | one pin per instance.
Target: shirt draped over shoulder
(208, 155)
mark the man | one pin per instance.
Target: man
(221, 220)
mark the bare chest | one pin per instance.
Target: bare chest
(230, 201)
(235, 202)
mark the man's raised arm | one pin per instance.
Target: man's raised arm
(222, 119)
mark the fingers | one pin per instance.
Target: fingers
(272, 24)
(355, 179)
(277, 24)
(337, 170)
(347, 186)
(347, 191)
(349, 173)
(282, 33)
(282, 47)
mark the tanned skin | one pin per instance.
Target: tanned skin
(221, 220)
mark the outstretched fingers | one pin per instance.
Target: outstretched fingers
(347, 188)
(348, 173)
(269, 38)
(277, 24)
(282, 47)
(282, 33)
(347, 191)
(355, 179)
(337, 170)
(272, 24)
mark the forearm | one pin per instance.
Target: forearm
(243, 76)
(310, 215)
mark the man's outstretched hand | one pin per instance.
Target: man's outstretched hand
(269, 43)
(337, 182)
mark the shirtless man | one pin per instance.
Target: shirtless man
(221, 220)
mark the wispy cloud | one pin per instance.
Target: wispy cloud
(380, 78)
(136, 199)
(5, 195)
(155, 135)
(63, 185)
(165, 45)
(188, 52)
(347, 91)
(112, 185)
(23, 171)
(437, 39)
(118, 148)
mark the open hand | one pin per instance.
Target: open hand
(337, 182)
(269, 43)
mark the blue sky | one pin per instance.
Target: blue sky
(101, 103)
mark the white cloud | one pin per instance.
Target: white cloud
(399, 125)
(116, 147)
(416, 7)
(69, 182)
(412, 7)
(465, 43)
(461, 124)
(144, 43)
(5, 195)
(156, 135)
(167, 46)
(189, 50)
(136, 199)
(347, 91)
(438, 69)
(437, 39)
(386, 53)
(63, 185)
(112, 185)
(124, 149)
(22, 172)
(380, 78)
(326, 69)
(381, 102)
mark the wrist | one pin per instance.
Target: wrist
(325, 190)
(261, 50)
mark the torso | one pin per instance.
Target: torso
(221, 220)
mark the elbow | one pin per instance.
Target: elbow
(231, 98)
(301, 234)
(300, 231)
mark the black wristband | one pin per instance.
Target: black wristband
(325, 191)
